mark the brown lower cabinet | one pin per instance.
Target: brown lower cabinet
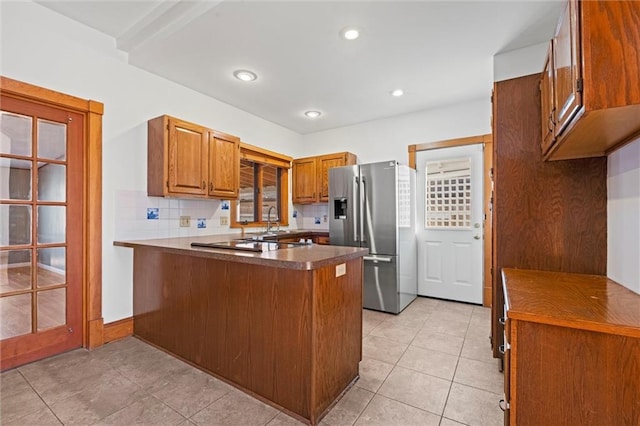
(572, 350)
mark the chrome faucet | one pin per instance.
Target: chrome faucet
(269, 219)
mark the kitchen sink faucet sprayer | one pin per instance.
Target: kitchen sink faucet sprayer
(269, 219)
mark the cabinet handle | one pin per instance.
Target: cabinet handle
(204, 184)
(504, 405)
(210, 186)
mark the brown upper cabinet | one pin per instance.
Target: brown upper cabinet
(311, 176)
(189, 160)
(590, 100)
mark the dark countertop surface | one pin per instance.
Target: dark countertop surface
(305, 257)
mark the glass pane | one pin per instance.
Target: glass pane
(445, 181)
(52, 182)
(15, 225)
(51, 224)
(270, 192)
(16, 134)
(15, 270)
(246, 201)
(15, 176)
(52, 308)
(51, 266)
(15, 315)
(52, 140)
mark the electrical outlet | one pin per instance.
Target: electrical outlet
(185, 221)
(224, 220)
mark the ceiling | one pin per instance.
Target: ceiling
(438, 52)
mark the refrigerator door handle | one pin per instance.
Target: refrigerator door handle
(363, 206)
(378, 259)
(356, 193)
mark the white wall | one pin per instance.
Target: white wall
(42, 48)
(519, 62)
(388, 139)
(623, 216)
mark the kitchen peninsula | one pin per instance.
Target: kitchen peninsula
(283, 325)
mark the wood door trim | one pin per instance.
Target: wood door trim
(92, 322)
(487, 141)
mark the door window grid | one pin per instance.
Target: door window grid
(33, 156)
(448, 195)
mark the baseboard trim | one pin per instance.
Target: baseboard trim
(118, 330)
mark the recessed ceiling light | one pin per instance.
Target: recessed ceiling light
(245, 75)
(313, 114)
(350, 33)
(397, 93)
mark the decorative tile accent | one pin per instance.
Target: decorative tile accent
(153, 213)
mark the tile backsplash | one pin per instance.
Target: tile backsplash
(140, 217)
(135, 216)
(311, 216)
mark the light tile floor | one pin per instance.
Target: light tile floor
(430, 365)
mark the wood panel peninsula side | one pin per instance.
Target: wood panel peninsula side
(284, 325)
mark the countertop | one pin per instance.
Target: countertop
(586, 302)
(306, 257)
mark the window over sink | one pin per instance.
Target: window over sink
(264, 186)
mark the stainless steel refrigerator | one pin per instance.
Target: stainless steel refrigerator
(373, 206)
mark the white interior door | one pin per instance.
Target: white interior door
(449, 228)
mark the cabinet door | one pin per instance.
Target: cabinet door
(188, 153)
(567, 68)
(324, 164)
(224, 166)
(546, 102)
(304, 180)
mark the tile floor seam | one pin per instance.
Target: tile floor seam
(446, 401)
(363, 410)
(39, 397)
(411, 405)
(178, 411)
(272, 418)
(477, 388)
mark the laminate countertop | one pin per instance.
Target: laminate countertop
(580, 301)
(306, 257)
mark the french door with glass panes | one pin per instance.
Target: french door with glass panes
(41, 226)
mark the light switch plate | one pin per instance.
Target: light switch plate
(224, 220)
(185, 221)
(341, 269)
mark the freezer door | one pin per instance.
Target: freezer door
(343, 206)
(379, 193)
(380, 290)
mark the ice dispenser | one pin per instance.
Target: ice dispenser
(340, 208)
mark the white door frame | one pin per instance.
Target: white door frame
(487, 140)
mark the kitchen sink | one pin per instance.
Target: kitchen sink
(249, 244)
(268, 235)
